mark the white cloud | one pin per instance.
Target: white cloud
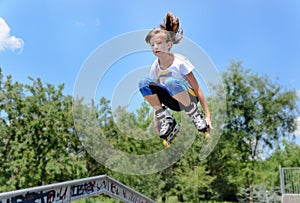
(7, 41)
(298, 92)
(297, 132)
(98, 22)
(79, 23)
(87, 23)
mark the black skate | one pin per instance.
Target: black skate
(168, 126)
(168, 140)
(198, 120)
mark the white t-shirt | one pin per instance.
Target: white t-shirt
(180, 67)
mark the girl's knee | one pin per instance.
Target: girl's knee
(145, 82)
(144, 86)
(175, 85)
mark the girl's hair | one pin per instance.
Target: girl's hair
(170, 28)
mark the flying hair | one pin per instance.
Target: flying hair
(170, 27)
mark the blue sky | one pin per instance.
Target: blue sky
(52, 39)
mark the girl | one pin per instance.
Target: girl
(172, 83)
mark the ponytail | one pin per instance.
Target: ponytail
(170, 27)
(171, 24)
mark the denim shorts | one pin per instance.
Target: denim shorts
(165, 93)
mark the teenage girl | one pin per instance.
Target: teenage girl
(172, 83)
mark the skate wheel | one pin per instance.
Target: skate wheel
(207, 135)
(165, 143)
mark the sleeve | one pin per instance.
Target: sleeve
(185, 66)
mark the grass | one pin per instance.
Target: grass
(107, 199)
(173, 199)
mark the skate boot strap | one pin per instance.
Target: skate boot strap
(196, 116)
(193, 111)
(167, 125)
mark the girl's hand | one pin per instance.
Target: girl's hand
(208, 121)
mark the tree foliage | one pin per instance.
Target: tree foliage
(38, 141)
(259, 114)
(48, 137)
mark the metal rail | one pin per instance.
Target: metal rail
(290, 184)
(75, 189)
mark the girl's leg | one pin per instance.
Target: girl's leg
(179, 92)
(156, 95)
(153, 100)
(183, 98)
(153, 93)
(148, 94)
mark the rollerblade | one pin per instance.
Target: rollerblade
(168, 140)
(198, 120)
(168, 126)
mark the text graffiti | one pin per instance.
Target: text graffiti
(103, 185)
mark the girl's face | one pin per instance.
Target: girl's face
(159, 45)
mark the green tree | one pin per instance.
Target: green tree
(133, 133)
(38, 141)
(286, 154)
(259, 112)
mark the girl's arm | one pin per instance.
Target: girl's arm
(198, 91)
